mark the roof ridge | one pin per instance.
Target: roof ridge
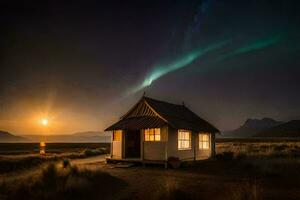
(152, 99)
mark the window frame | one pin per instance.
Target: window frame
(204, 144)
(154, 135)
(181, 140)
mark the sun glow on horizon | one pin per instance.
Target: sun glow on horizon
(44, 122)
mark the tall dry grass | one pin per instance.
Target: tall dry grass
(248, 190)
(23, 162)
(272, 159)
(260, 148)
(62, 183)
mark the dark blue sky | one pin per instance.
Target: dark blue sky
(78, 62)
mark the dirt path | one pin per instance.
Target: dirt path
(210, 180)
(90, 160)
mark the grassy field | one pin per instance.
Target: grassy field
(242, 170)
(258, 148)
(23, 156)
(33, 148)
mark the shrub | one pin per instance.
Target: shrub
(227, 155)
(281, 147)
(66, 163)
(241, 156)
(93, 152)
(174, 162)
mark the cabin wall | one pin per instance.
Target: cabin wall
(167, 147)
(194, 152)
(173, 150)
(155, 150)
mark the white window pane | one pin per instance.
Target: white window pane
(151, 131)
(157, 134)
(184, 139)
(204, 140)
(151, 138)
(146, 133)
(182, 145)
(200, 141)
(185, 144)
(205, 137)
(157, 137)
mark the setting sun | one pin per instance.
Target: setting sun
(44, 122)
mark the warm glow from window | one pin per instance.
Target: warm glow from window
(204, 141)
(184, 139)
(152, 134)
(117, 135)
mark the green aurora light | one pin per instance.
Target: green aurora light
(183, 61)
(257, 45)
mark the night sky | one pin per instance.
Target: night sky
(84, 64)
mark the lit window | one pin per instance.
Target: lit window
(204, 141)
(117, 135)
(184, 139)
(152, 134)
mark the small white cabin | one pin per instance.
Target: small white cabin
(153, 131)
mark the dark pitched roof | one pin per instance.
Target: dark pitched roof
(180, 116)
(137, 123)
(151, 113)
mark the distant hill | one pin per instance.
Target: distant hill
(91, 134)
(6, 137)
(288, 129)
(80, 137)
(252, 126)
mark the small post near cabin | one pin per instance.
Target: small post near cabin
(42, 148)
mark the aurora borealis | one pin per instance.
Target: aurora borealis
(183, 61)
(85, 63)
(256, 45)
